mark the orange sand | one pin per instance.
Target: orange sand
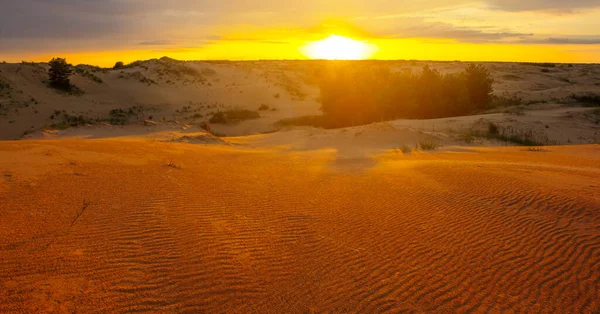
(261, 231)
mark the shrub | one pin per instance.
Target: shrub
(233, 116)
(588, 99)
(122, 116)
(405, 149)
(428, 145)
(59, 73)
(493, 129)
(517, 136)
(359, 94)
(218, 118)
(263, 107)
(68, 121)
(119, 65)
(85, 73)
(503, 101)
(479, 86)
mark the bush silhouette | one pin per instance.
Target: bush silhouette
(59, 73)
(119, 65)
(354, 95)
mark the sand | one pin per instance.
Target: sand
(161, 216)
(108, 226)
(178, 94)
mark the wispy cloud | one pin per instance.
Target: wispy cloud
(555, 6)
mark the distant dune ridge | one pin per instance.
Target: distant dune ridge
(164, 186)
(169, 94)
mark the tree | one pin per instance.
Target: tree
(479, 85)
(59, 74)
(119, 65)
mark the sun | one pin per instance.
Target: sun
(337, 47)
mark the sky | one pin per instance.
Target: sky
(102, 32)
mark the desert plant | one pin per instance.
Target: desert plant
(361, 94)
(173, 165)
(428, 145)
(263, 107)
(517, 136)
(233, 116)
(59, 73)
(493, 129)
(588, 99)
(119, 65)
(123, 116)
(63, 120)
(218, 118)
(405, 149)
(504, 101)
(479, 86)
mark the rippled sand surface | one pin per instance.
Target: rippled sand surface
(108, 226)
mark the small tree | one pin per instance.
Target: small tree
(119, 65)
(59, 74)
(479, 85)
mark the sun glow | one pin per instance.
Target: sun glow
(337, 47)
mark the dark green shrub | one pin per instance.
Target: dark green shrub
(588, 99)
(354, 94)
(119, 65)
(59, 73)
(218, 118)
(233, 116)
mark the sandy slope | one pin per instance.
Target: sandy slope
(189, 93)
(235, 229)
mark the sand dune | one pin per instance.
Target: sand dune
(108, 226)
(189, 93)
(144, 206)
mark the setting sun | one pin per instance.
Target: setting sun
(337, 47)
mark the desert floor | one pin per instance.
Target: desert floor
(134, 225)
(138, 209)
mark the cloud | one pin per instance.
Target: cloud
(40, 25)
(159, 42)
(573, 40)
(556, 6)
(414, 27)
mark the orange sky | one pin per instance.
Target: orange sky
(103, 32)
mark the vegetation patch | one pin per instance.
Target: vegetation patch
(62, 120)
(123, 116)
(588, 99)
(517, 136)
(354, 94)
(138, 76)
(428, 145)
(4, 85)
(506, 101)
(233, 116)
(87, 74)
(58, 77)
